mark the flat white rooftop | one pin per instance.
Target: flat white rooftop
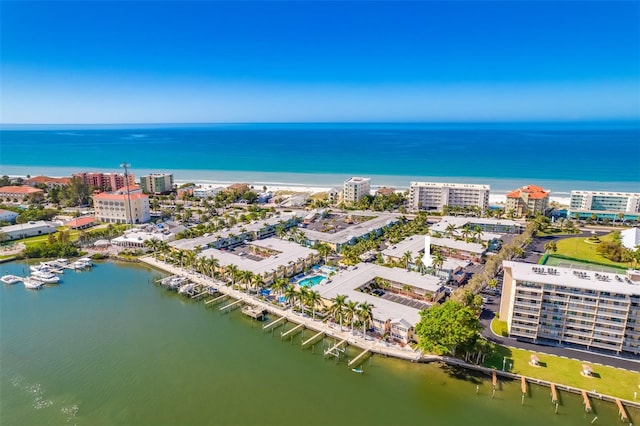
(451, 185)
(347, 281)
(461, 221)
(576, 278)
(191, 243)
(289, 253)
(414, 244)
(458, 245)
(354, 231)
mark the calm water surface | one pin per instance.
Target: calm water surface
(110, 347)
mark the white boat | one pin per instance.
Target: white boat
(77, 265)
(45, 277)
(32, 284)
(62, 261)
(86, 260)
(187, 289)
(10, 279)
(41, 267)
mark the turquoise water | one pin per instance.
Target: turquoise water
(311, 281)
(560, 157)
(110, 347)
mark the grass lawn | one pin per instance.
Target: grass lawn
(608, 380)
(30, 241)
(579, 249)
(499, 327)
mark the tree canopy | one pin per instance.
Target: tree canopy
(445, 328)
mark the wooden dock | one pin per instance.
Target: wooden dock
(360, 357)
(587, 403)
(313, 339)
(621, 411)
(254, 312)
(292, 331)
(231, 305)
(523, 385)
(554, 393)
(216, 299)
(280, 320)
(335, 349)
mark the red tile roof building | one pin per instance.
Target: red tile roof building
(19, 193)
(528, 200)
(105, 181)
(50, 182)
(81, 222)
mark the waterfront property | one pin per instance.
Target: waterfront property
(595, 310)
(120, 207)
(240, 233)
(389, 316)
(137, 237)
(24, 230)
(106, 181)
(454, 225)
(355, 188)
(157, 183)
(604, 205)
(433, 196)
(17, 194)
(269, 258)
(528, 200)
(347, 229)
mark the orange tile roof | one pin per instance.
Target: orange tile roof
(24, 189)
(80, 221)
(535, 192)
(47, 179)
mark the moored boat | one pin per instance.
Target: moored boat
(187, 289)
(45, 277)
(32, 284)
(10, 279)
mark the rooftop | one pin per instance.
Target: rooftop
(458, 245)
(22, 189)
(355, 231)
(288, 252)
(451, 185)
(576, 278)
(534, 192)
(23, 226)
(80, 221)
(358, 179)
(606, 193)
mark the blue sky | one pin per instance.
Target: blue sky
(154, 62)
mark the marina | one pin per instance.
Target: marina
(154, 321)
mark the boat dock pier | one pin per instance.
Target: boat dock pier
(227, 308)
(554, 394)
(621, 411)
(313, 339)
(336, 350)
(523, 385)
(359, 359)
(216, 299)
(292, 331)
(272, 324)
(587, 403)
(253, 312)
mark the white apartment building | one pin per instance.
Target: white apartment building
(604, 204)
(114, 207)
(157, 183)
(356, 188)
(595, 310)
(436, 195)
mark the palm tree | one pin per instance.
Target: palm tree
(257, 282)
(246, 276)
(279, 284)
(231, 271)
(365, 315)
(338, 307)
(212, 264)
(477, 233)
(448, 232)
(303, 295)
(190, 258)
(290, 294)
(313, 299)
(419, 264)
(323, 249)
(406, 259)
(466, 232)
(163, 247)
(152, 244)
(437, 261)
(551, 246)
(351, 310)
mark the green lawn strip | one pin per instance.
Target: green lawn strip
(499, 327)
(579, 249)
(609, 380)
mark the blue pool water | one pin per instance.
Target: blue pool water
(311, 281)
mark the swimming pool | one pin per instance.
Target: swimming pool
(311, 281)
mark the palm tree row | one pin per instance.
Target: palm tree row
(343, 310)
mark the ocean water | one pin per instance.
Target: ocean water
(558, 157)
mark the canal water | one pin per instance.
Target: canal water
(110, 347)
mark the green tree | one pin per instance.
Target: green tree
(446, 328)
(551, 246)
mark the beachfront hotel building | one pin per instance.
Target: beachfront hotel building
(527, 201)
(157, 183)
(433, 196)
(355, 188)
(604, 205)
(594, 310)
(106, 181)
(120, 207)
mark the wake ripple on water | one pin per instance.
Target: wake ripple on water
(39, 399)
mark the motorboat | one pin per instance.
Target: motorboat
(10, 279)
(41, 267)
(187, 289)
(32, 284)
(45, 277)
(86, 260)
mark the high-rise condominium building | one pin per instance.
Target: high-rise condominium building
(435, 195)
(356, 188)
(157, 183)
(604, 205)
